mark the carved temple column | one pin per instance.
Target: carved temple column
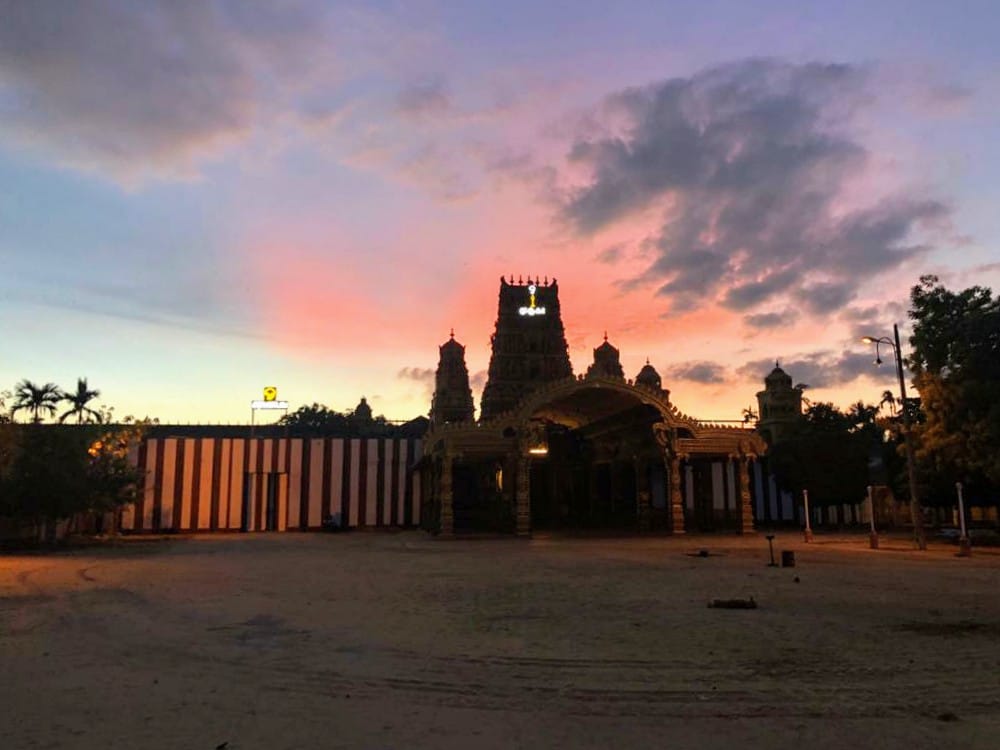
(447, 520)
(522, 498)
(641, 468)
(745, 504)
(676, 499)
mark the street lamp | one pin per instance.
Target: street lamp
(915, 512)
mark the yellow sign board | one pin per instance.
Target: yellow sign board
(270, 393)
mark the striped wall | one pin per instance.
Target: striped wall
(274, 484)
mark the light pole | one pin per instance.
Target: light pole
(916, 514)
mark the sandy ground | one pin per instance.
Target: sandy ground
(404, 641)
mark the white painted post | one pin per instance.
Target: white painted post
(873, 534)
(964, 547)
(805, 502)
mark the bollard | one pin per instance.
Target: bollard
(873, 534)
(787, 558)
(770, 549)
(964, 547)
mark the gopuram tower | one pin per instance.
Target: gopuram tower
(452, 396)
(528, 346)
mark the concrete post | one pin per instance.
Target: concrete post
(642, 493)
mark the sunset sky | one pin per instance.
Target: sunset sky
(199, 199)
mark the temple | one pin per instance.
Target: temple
(554, 450)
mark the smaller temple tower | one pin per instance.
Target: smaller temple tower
(779, 404)
(607, 362)
(650, 378)
(452, 395)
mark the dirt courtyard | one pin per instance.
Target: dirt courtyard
(382, 640)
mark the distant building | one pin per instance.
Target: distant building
(779, 406)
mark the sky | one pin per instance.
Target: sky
(200, 199)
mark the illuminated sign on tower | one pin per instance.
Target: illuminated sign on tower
(531, 308)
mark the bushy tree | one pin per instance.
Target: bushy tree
(827, 454)
(956, 364)
(51, 472)
(318, 419)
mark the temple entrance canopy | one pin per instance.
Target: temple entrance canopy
(595, 450)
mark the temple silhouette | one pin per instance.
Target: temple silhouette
(549, 450)
(554, 450)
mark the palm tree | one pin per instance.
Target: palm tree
(36, 398)
(79, 401)
(888, 399)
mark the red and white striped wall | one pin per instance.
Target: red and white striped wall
(229, 484)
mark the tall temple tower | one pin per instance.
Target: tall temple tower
(452, 396)
(528, 346)
(779, 404)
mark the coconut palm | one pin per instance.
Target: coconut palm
(888, 399)
(78, 403)
(36, 399)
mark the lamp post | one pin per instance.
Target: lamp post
(916, 514)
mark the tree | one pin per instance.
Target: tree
(51, 472)
(888, 399)
(112, 478)
(78, 403)
(318, 419)
(827, 454)
(956, 364)
(36, 399)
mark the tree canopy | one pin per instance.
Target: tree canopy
(955, 360)
(828, 454)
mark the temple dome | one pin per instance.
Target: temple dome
(778, 377)
(607, 362)
(649, 377)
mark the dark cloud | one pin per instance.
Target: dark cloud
(424, 99)
(753, 293)
(747, 163)
(770, 319)
(132, 86)
(698, 372)
(419, 374)
(875, 320)
(821, 299)
(824, 369)
(611, 254)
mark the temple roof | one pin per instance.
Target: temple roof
(778, 377)
(648, 376)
